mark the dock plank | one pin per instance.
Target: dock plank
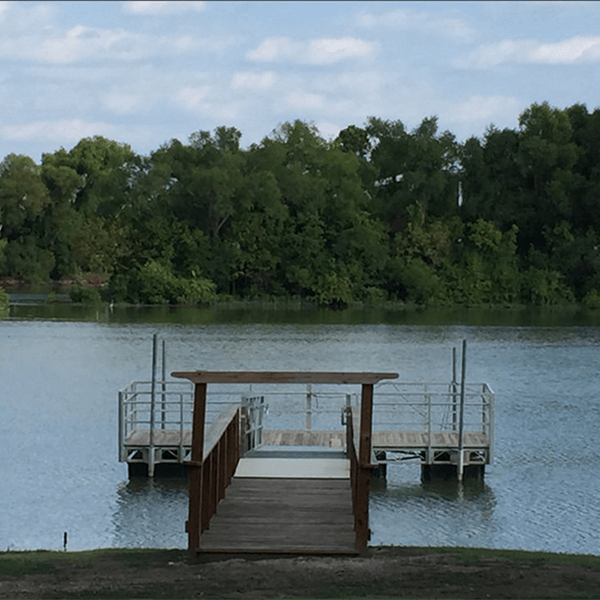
(380, 439)
(283, 515)
(328, 439)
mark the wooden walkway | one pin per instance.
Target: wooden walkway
(285, 506)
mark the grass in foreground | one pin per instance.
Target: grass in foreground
(389, 572)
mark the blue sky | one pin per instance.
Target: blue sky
(144, 73)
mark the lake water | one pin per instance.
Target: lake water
(61, 369)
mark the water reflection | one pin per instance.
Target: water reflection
(151, 513)
(244, 313)
(407, 511)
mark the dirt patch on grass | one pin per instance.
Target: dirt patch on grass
(384, 572)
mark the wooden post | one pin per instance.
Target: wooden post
(194, 520)
(364, 468)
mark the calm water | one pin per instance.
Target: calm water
(60, 372)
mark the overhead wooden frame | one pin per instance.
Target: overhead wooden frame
(284, 377)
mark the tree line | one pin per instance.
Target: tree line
(379, 213)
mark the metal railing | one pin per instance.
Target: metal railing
(147, 407)
(144, 409)
(433, 407)
(167, 406)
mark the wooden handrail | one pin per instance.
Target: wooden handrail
(212, 474)
(219, 426)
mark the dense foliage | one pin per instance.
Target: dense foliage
(378, 213)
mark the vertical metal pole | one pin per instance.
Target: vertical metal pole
(461, 423)
(163, 378)
(454, 391)
(122, 455)
(308, 407)
(152, 405)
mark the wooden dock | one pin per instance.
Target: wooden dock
(305, 490)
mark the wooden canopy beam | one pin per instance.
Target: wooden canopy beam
(283, 377)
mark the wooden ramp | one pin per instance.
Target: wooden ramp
(283, 505)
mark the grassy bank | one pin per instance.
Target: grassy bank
(385, 572)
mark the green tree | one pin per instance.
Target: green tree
(420, 166)
(23, 200)
(89, 188)
(546, 157)
(23, 195)
(329, 233)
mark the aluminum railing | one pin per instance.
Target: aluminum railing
(150, 407)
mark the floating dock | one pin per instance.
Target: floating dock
(281, 462)
(414, 422)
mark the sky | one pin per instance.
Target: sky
(144, 73)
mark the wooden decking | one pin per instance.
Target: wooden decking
(327, 439)
(392, 440)
(161, 437)
(310, 512)
(381, 440)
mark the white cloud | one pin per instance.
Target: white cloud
(209, 100)
(123, 103)
(304, 100)
(156, 7)
(65, 130)
(328, 130)
(428, 22)
(192, 98)
(275, 48)
(485, 109)
(317, 52)
(253, 81)
(578, 49)
(575, 49)
(81, 43)
(332, 50)
(4, 6)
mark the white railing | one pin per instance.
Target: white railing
(146, 406)
(433, 407)
(426, 407)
